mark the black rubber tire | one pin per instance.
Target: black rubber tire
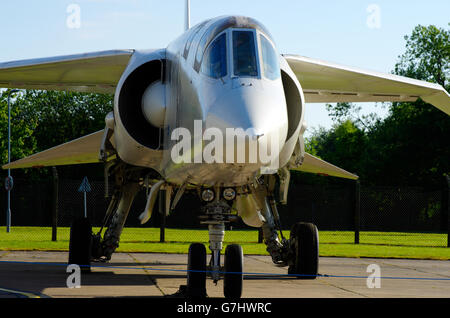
(80, 244)
(305, 247)
(196, 274)
(233, 277)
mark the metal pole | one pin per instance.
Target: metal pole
(357, 210)
(8, 212)
(55, 205)
(445, 206)
(448, 211)
(85, 207)
(187, 21)
(162, 228)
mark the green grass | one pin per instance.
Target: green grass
(332, 243)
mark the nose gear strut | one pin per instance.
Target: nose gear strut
(216, 215)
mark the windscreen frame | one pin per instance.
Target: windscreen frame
(227, 54)
(257, 52)
(261, 55)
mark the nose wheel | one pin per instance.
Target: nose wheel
(217, 214)
(232, 271)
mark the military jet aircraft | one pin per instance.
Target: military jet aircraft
(222, 75)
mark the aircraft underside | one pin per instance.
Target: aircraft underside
(299, 252)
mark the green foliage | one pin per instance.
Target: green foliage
(344, 144)
(411, 146)
(23, 143)
(427, 55)
(414, 139)
(44, 119)
(64, 116)
(341, 112)
(432, 209)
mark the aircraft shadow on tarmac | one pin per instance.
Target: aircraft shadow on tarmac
(35, 277)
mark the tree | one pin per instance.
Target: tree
(412, 145)
(63, 116)
(341, 112)
(343, 145)
(427, 55)
(44, 119)
(23, 143)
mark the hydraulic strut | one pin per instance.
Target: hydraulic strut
(217, 214)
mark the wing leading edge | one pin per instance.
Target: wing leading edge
(325, 82)
(78, 151)
(96, 72)
(315, 165)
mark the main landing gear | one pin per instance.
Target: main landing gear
(300, 253)
(304, 247)
(80, 244)
(85, 246)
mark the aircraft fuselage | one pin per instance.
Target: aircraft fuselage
(226, 116)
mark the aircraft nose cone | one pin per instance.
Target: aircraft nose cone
(247, 108)
(259, 115)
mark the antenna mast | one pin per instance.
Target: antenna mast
(187, 22)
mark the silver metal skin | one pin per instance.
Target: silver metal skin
(216, 215)
(151, 199)
(255, 104)
(228, 102)
(154, 104)
(197, 102)
(128, 148)
(216, 236)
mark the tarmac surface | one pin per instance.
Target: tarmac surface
(43, 274)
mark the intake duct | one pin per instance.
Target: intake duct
(293, 102)
(130, 103)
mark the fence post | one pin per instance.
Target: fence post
(162, 228)
(55, 204)
(357, 211)
(260, 235)
(445, 206)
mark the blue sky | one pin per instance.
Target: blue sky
(336, 31)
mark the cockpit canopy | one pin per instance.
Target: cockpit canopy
(235, 46)
(251, 55)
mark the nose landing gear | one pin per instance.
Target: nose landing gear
(216, 216)
(232, 271)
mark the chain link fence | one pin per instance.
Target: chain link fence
(387, 215)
